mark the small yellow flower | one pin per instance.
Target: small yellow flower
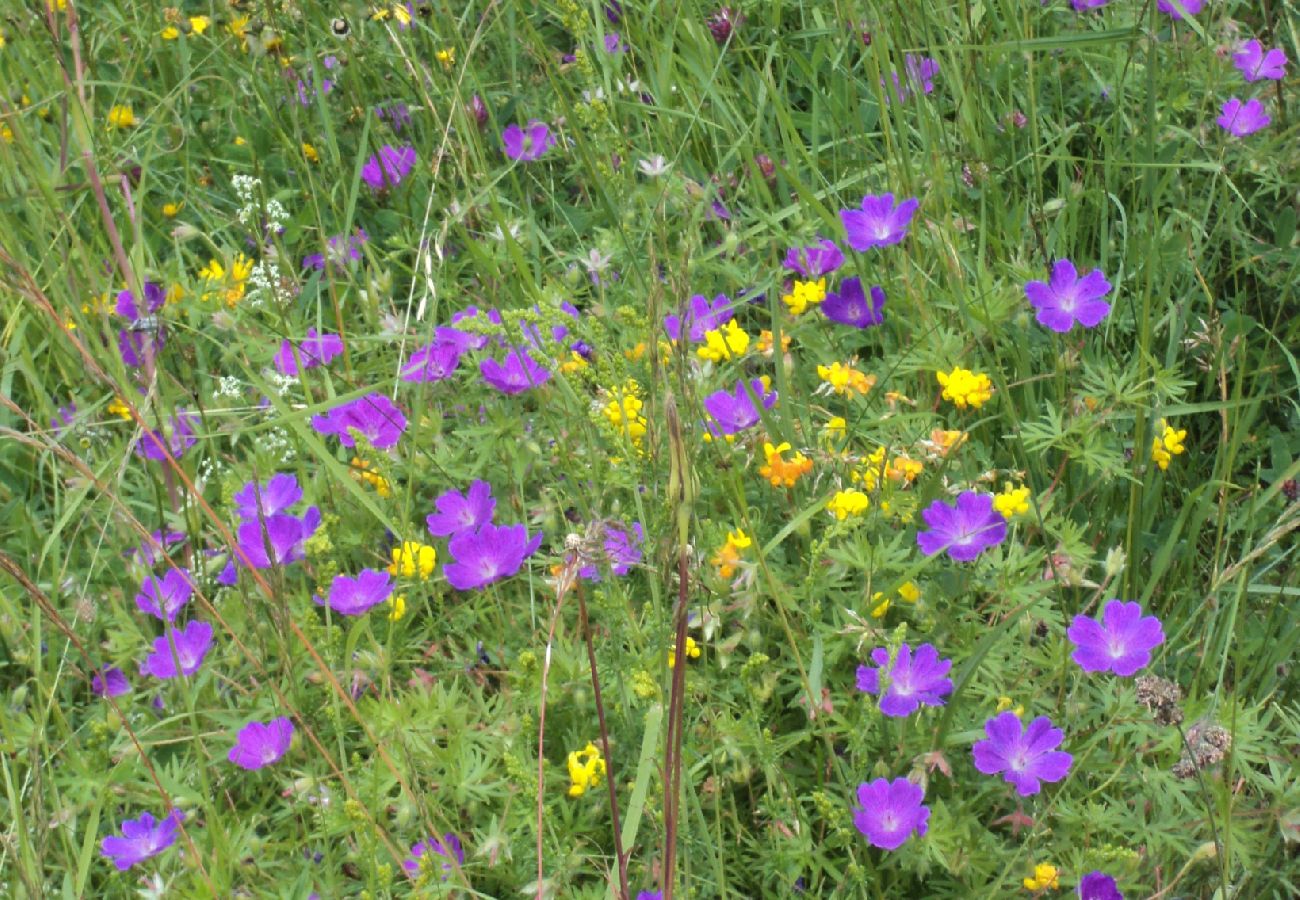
(170, 33)
(310, 153)
(783, 472)
(728, 556)
(396, 607)
(848, 503)
(692, 652)
(119, 408)
(766, 342)
(238, 26)
(909, 592)
(172, 210)
(586, 768)
(1005, 703)
(1168, 444)
(943, 442)
(804, 294)
(903, 470)
(623, 411)
(724, 343)
(413, 558)
(1012, 501)
(964, 388)
(401, 14)
(843, 379)
(361, 472)
(446, 57)
(199, 24)
(239, 141)
(835, 428)
(121, 117)
(1045, 876)
(575, 363)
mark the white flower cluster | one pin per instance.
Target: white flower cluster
(251, 209)
(229, 386)
(266, 282)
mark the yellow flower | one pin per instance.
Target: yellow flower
(199, 24)
(172, 210)
(623, 412)
(843, 379)
(909, 592)
(903, 470)
(238, 26)
(1045, 876)
(944, 442)
(170, 33)
(835, 428)
(446, 57)
(724, 343)
(401, 14)
(239, 141)
(766, 342)
(121, 117)
(728, 556)
(310, 153)
(964, 388)
(586, 768)
(848, 503)
(871, 472)
(396, 607)
(780, 471)
(804, 294)
(411, 558)
(361, 472)
(1168, 444)
(119, 408)
(6, 133)
(1012, 501)
(692, 652)
(233, 281)
(1005, 703)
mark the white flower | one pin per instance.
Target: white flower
(596, 262)
(654, 166)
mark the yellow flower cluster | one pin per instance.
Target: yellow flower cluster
(198, 25)
(396, 607)
(1045, 876)
(783, 472)
(843, 379)
(446, 58)
(728, 555)
(848, 503)
(942, 442)
(623, 412)
(804, 294)
(121, 117)
(724, 343)
(361, 472)
(1168, 444)
(586, 768)
(233, 282)
(413, 558)
(900, 470)
(908, 592)
(964, 388)
(766, 342)
(1012, 501)
(692, 652)
(835, 428)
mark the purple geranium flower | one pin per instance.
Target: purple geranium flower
(1024, 756)
(911, 681)
(374, 415)
(313, 350)
(879, 223)
(355, 596)
(650, 895)
(516, 374)
(141, 838)
(966, 529)
(165, 597)
(339, 251)
(622, 551)
(702, 317)
(153, 445)
(890, 812)
(614, 43)
(189, 645)
(733, 411)
(154, 298)
(447, 847)
(1253, 63)
(920, 72)
(528, 143)
(1121, 642)
(820, 259)
(1099, 886)
(110, 681)
(489, 554)
(147, 555)
(259, 501)
(1241, 119)
(1176, 8)
(849, 306)
(138, 344)
(277, 540)
(259, 744)
(1066, 298)
(388, 167)
(462, 512)
(433, 362)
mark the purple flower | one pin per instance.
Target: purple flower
(190, 645)
(701, 318)
(146, 555)
(849, 306)
(471, 341)
(614, 43)
(1066, 298)
(374, 416)
(913, 680)
(650, 895)
(153, 445)
(613, 11)
(622, 551)
(1024, 756)
(388, 168)
(433, 362)
(258, 745)
(1085, 5)
(723, 23)
(965, 529)
(734, 411)
(489, 554)
(254, 501)
(355, 596)
(396, 114)
(1099, 886)
(1176, 8)
(339, 251)
(516, 374)
(165, 597)
(313, 350)
(1253, 63)
(448, 847)
(820, 259)
(879, 223)
(890, 812)
(154, 298)
(110, 681)
(141, 838)
(1121, 642)
(1241, 119)
(462, 512)
(277, 540)
(64, 418)
(920, 72)
(136, 346)
(529, 143)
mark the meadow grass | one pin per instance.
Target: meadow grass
(691, 152)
